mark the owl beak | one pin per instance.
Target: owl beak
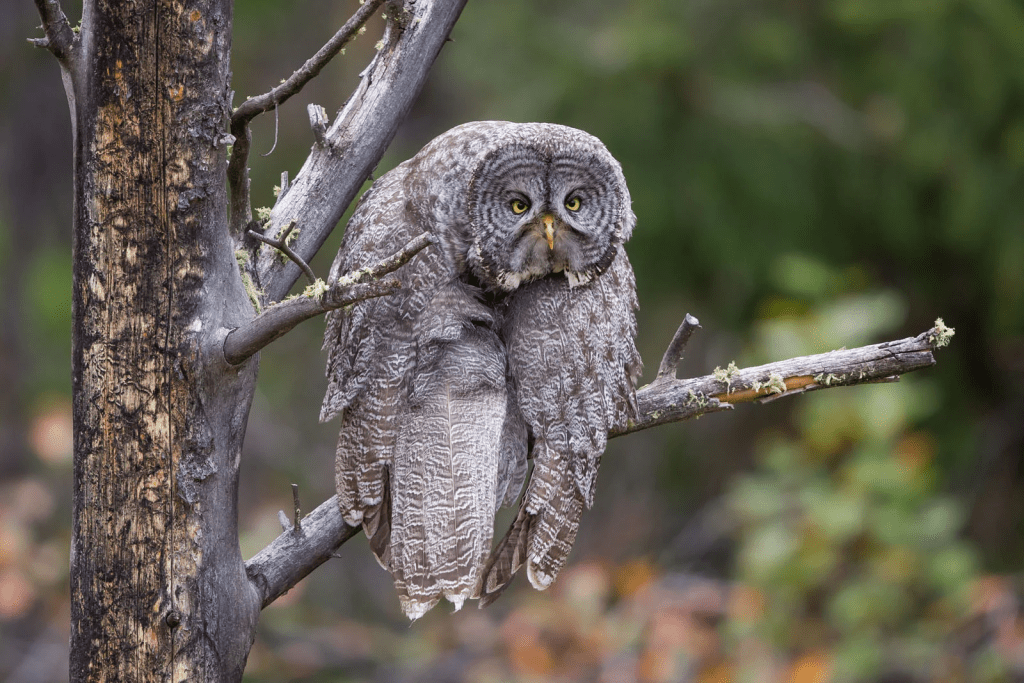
(549, 230)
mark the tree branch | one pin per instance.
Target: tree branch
(289, 558)
(674, 400)
(254, 106)
(60, 38)
(335, 171)
(238, 173)
(674, 352)
(281, 244)
(274, 322)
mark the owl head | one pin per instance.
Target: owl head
(546, 199)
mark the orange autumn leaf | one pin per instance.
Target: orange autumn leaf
(716, 673)
(812, 667)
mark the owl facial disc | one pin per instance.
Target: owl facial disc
(553, 202)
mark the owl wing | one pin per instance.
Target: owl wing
(574, 364)
(371, 351)
(430, 441)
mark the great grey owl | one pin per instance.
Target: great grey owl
(511, 339)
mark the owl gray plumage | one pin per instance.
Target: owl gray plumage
(514, 332)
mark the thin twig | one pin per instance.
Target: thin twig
(285, 562)
(284, 187)
(389, 264)
(674, 352)
(274, 146)
(255, 106)
(318, 124)
(60, 38)
(297, 528)
(275, 321)
(281, 244)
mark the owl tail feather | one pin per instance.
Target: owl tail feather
(506, 559)
(377, 524)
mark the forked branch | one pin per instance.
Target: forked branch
(281, 244)
(288, 559)
(60, 38)
(277, 320)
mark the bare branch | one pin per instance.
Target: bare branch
(291, 557)
(288, 559)
(238, 173)
(276, 122)
(676, 400)
(335, 171)
(281, 244)
(298, 510)
(318, 123)
(60, 38)
(389, 264)
(279, 319)
(674, 352)
(255, 106)
(275, 321)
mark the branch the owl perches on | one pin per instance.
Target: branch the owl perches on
(289, 558)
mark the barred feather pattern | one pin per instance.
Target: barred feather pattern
(575, 368)
(501, 333)
(372, 350)
(447, 455)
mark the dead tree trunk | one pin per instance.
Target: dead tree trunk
(159, 588)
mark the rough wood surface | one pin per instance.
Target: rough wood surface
(158, 587)
(671, 400)
(282, 564)
(295, 553)
(159, 590)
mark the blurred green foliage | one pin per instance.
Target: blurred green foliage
(807, 175)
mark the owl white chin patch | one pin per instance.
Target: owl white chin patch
(538, 579)
(509, 281)
(576, 279)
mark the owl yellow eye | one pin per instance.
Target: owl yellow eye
(573, 204)
(519, 206)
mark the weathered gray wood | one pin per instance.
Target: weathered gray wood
(59, 39)
(333, 173)
(673, 400)
(238, 172)
(158, 587)
(280, 566)
(294, 554)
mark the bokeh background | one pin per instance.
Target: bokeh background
(807, 175)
